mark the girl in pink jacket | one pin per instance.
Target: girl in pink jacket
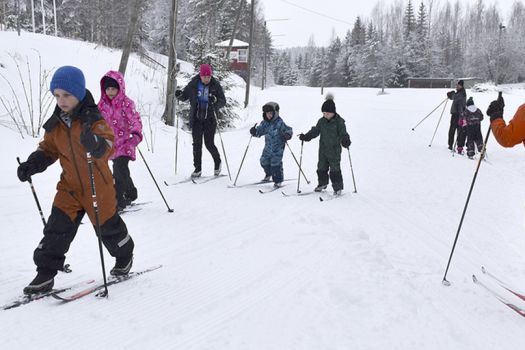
(119, 112)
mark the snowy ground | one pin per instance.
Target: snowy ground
(243, 270)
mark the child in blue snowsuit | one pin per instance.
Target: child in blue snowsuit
(276, 133)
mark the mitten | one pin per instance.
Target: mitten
(345, 142)
(495, 109)
(24, 171)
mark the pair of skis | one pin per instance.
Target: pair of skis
(195, 180)
(506, 301)
(323, 197)
(89, 287)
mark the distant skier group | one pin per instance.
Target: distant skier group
(466, 120)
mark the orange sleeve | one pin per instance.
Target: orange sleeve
(512, 134)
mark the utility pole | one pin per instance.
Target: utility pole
(17, 8)
(168, 115)
(55, 15)
(252, 24)
(129, 39)
(501, 28)
(238, 16)
(43, 16)
(32, 14)
(263, 81)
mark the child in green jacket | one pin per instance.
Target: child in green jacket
(333, 133)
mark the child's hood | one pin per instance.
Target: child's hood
(120, 80)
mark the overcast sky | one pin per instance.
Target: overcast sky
(301, 22)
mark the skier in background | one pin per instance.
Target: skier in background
(473, 117)
(333, 133)
(458, 98)
(275, 133)
(206, 95)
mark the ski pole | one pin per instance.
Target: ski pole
(176, 135)
(300, 163)
(244, 156)
(34, 196)
(439, 121)
(97, 222)
(300, 169)
(352, 170)
(155, 181)
(222, 144)
(445, 282)
(428, 115)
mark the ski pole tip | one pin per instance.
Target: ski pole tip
(445, 283)
(170, 210)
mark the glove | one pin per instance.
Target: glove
(253, 131)
(303, 137)
(212, 99)
(92, 143)
(451, 94)
(178, 93)
(495, 109)
(345, 142)
(24, 171)
(133, 140)
(287, 136)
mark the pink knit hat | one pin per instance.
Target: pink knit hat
(205, 70)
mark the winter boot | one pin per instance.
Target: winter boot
(218, 168)
(319, 188)
(196, 173)
(338, 192)
(266, 178)
(43, 282)
(122, 266)
(278, 184)
(122, 203)
(131, 196)
(460, 150)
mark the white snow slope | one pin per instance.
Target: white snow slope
(243, 270)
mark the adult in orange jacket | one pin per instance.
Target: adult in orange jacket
(74, 129)
(511, 134)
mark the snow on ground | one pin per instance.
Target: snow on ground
(243, 270)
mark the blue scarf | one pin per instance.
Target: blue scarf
(202, 93)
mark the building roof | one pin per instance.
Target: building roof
(236, 43)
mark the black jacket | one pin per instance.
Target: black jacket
(459, 102)
(190, 93)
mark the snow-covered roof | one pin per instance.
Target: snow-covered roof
(236, 43)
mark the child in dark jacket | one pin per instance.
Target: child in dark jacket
(276, 133)
(333, 133)
(473, 117)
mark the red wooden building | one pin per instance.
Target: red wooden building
(238, 56)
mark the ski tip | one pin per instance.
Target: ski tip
(321, 199)
(474, 279)
(483, 269)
